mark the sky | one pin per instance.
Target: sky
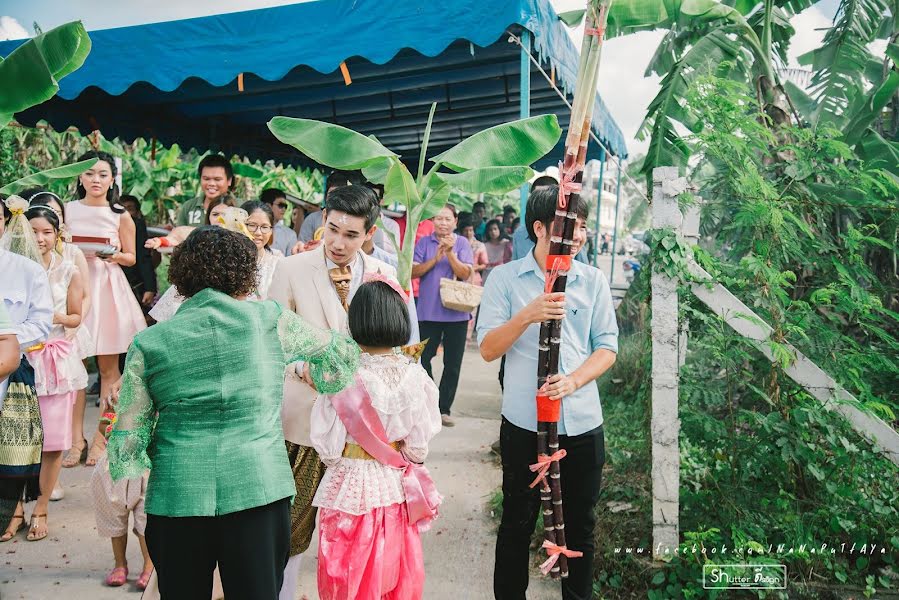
(622, 85)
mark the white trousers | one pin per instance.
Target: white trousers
(291, 578)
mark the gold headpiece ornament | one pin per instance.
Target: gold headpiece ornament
(19, 237)
(235, 219)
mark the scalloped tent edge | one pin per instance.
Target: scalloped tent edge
(176, 81)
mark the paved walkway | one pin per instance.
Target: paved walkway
(73, 560)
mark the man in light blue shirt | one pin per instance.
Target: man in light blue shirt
(512, 308)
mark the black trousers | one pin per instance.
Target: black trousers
(250, 547)
(453, 336)
(581, 473)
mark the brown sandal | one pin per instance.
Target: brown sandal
(76, 454)
(33, 536)
(98, 447)
(11, 531)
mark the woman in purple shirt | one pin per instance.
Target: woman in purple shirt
(442, 254)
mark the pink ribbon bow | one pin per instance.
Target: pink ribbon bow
(554, 553)
(542, 465)
(567, 184)
(383, 279)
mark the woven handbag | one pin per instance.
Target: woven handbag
(459, 295)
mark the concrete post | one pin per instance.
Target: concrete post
(665, 424)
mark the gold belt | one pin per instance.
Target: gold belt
(36, 348)
(357, 451)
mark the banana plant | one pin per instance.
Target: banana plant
(495, 160)
(737, 39)
(30, 75)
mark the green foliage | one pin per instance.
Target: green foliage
(161, 178)
(31, 73)
(803, 231)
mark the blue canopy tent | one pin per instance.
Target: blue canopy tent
(213, 82)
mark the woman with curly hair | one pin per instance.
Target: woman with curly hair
(209, 428)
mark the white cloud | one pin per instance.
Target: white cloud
(10, 29)
(810, 26)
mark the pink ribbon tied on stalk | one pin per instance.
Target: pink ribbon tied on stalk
(554, 552)
(542, 465)
(384, 279)
(567, 184)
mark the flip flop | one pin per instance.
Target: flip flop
(11, 531)
(33, 536)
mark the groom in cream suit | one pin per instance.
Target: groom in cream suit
(319, 285)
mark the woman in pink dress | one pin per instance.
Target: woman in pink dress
(114, 316)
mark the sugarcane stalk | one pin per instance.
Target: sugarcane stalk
(546, 501)
(561, 241)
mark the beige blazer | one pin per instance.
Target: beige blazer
(302, 284)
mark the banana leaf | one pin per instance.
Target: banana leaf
(44, 177)
(510, 144)
(31, 73)
(489, 180)
(328, 144)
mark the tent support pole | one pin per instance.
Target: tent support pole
(525, 102)
(615, 232)
(596, 234)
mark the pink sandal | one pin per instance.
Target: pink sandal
(144, 580)
(117, 577)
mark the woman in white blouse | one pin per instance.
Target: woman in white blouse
(25, 292)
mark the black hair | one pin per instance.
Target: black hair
(356, 201)
(43, 212)
(337, 178)
(487, 227)
(217, 160)
(38, 195)
(213, 257)
(544, 181)
(378, 189)
(477, 204)
(226, 200)
(112, 194)
(378, 317)
(129, 198)
(465, 220)
(269, 195)
(254, 205)
(452, 209)
(510, 209)
(542, 207)
(7, 214)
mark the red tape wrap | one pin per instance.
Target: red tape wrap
(548, 410)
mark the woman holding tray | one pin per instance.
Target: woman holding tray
(114, 316)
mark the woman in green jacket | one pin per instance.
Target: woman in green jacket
(200, 407)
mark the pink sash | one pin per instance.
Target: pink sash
(353, 406)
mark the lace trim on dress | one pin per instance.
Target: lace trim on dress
(133, 430)
(385, 378)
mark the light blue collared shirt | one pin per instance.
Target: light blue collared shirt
(589, 325)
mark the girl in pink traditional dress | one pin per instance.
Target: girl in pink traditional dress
(376, 495)
(58, 371)
(115, 316)
(78, 335)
